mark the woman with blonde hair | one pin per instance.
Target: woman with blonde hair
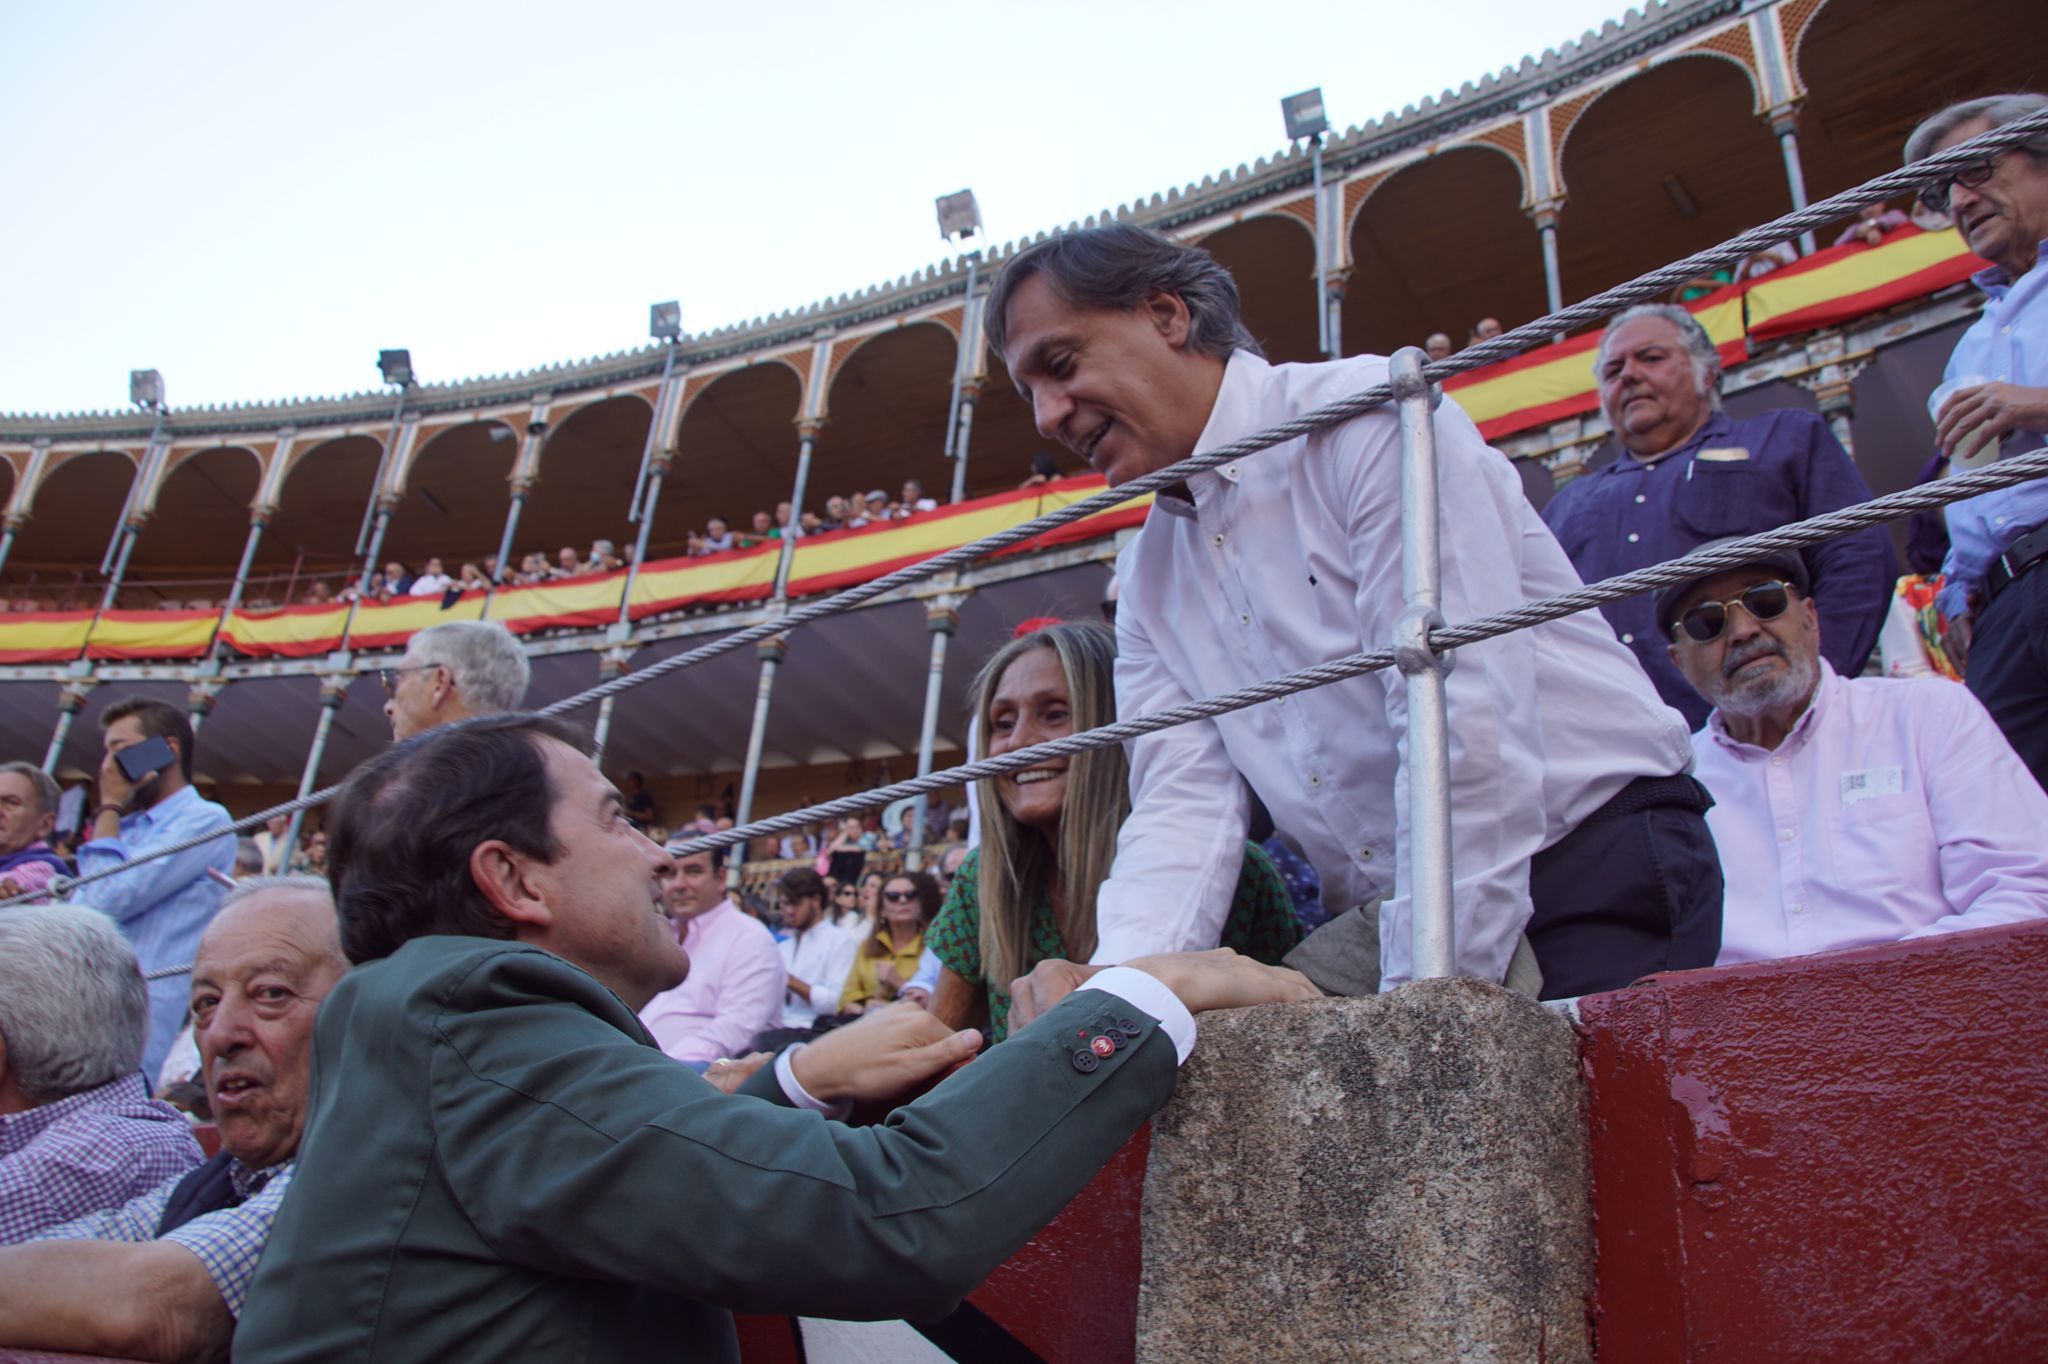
(1049, 833)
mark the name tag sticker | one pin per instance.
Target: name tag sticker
(1871, 783)
(1731, 454)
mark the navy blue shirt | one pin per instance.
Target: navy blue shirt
(1731, 478)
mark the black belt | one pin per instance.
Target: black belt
(1654, 793)
(2021, 555)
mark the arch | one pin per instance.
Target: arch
(453, 505)
(587, 467)
(696, 386)
(200, 522)
(1661, 165)
(844, 351)
(736, 451)
(77, 506)
(1442, 243)
(10, 474)
(1874, 70)
(1273, 259)
(325, 489)
(887, 407)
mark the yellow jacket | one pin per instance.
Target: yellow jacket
(862, 987)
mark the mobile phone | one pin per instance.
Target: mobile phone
(145, 759)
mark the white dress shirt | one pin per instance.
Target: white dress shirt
(1894, 809)
(1292, 557)
(820, 956)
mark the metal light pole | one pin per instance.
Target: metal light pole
(664, 323)
(145, 390)
(1786, 125)
(960, 218)
(332, 693)
(1305, 119)
(396, 367)
(942, 619)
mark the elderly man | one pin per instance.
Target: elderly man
(1848, 810)
(28, 816)
(163, 905)
(1995, 597)
(504, 1165)
(1689, 473)
(737, 977)
(165, 1275)
(78, 1130)
(452, 671)
(1575, 821)
(817, 954)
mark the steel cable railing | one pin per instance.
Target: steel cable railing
(1539, 332)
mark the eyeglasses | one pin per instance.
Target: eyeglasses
(1970, 176)
(390, 676)
(842, 892)
(900, 897)
(1704, 623)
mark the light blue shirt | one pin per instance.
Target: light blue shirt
(2008, 341)
(163, 906)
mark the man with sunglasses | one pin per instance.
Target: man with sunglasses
(1995, 600)
(452, 671)
(1848, 811)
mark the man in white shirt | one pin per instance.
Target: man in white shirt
(817, 955)
(432, 582)
(1573, 817)
(1849, 811)
(736, 982)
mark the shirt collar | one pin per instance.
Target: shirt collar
(163, 809)
(1802, 729)
(17, 1130)
(1243, 378)
(1993, 280)
(1716, 424)
(248, 1183)
(709, 919)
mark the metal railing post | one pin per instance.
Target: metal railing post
(772, 652)
(970, 394)
(1786, 126)
(656, 474)
(70, 700)
(332, 693)
(1426, 852)
(807, 431)
(942, 618)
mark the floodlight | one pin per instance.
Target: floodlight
(145, 388)
(959, 215)
(665, 321)
(396, 366)
(1304, 115)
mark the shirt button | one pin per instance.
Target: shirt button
(1365, 854)
(1628, 639)
(1785, 835)
(1246, 618)
(1315, 779)
(1633, 537)
(1640, 499)
(1798, 908)
(1777, 762)
(1219, 542)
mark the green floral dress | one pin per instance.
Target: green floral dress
(1261, 924)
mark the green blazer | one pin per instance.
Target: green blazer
(499, 1164)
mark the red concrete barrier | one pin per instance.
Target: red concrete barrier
(1835, 1158)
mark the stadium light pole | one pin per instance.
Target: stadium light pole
(959, 219)
(396, 367)
(1304, 117)
(665, 324)
(145, 390)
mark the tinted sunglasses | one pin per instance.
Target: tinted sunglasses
(1704, 623)
(900, 897)
(1971, 176)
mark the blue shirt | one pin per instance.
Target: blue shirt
(2008, 341)
(162, 906)
(1731, 478)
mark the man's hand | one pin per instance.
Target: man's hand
(1050, 982)
(890, 1051)
(1955, 641)
(115, 788)
(1224, 979)
(729, 1074)
(1973, 418)
(8, 888)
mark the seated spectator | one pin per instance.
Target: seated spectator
(1689, 473)
(311, 858)
(763, 531)
(1847, 811)
(271, 839)
(28, 816)
(567, 565)
(1028, 893)
(78, 1130)
(248, 859)
(1484, 330)
(431, 582)
(735, 986)
(604, 558)
(397, 582)
(1044, 469)
(319, 593)
(913, 500)
(640, 807)
(717, 535)
(1438, 346)
(451, 671)
(888, 959)
(165, 1275)
(1872, 224)
(817, 955)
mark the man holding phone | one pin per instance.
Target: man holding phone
(146, 801)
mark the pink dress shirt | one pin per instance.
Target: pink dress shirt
(734, 989)
(1894, 809)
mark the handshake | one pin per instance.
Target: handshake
(893, 1050)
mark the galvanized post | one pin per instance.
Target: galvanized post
(1426, 852)
(807, 433)
(655, 475)
(942, 618)
(131, 533)
(610, 667)
(257, 522)
(332, 693)
(1786, 125)
(963, 364)
(970, 393)
(772, 651)
(520, 488)
(1553, 279)
(1329, 352)
(7, 541)
(70, 700)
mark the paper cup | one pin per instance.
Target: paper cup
(1937, 399)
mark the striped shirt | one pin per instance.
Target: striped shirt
(93, 1150)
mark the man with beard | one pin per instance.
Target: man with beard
(1848, 811)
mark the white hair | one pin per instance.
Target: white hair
(74, 1010)
(1699, 347)
(1996, 110)
(488, 666)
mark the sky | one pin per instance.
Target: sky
(256, 198)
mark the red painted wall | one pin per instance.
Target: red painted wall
(1836, 1158)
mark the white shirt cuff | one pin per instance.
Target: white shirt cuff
(1149, 993)
(785, 1075)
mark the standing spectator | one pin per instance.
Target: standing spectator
(1044, 469)
(431, 582)
(845, 853)
(1995, 595)
(28, 816)
(473, 579)
(1485, 330)
(451, 671)
(1871, 225)
(163, 905)
(604, 558)
(1438, 346)
(736, 981)
(762, 532)
(835, 514)
(717, 535)
(397, 582)
(78, 1130)
(1689, 473)
(782, 513)
(817, 954)
(888, 959)
(271, 839)
(914, 500)
(878, 507)
(640, 807)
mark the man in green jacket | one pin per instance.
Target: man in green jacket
(500, 1163)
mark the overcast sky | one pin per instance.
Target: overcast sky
(254, 198)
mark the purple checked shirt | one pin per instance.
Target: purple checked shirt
(91, 1151)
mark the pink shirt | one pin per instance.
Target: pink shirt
(734, 989)
(1894, 809)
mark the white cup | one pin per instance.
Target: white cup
(1989, 453)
